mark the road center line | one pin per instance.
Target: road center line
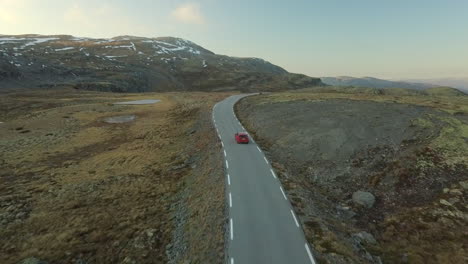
(281, 188)
(232, 231)
(295, 220)
(266, 160)
(273, 173)
(310, 254)
(230, 200)
(227, 164)
(232, 260)
(229, 180)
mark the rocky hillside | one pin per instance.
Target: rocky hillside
(133, 64)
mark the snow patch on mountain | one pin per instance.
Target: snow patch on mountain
(63, 49)
(31, 41)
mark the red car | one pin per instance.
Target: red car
(242, 138)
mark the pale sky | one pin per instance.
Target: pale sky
(380, 38)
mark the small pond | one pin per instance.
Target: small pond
(139, 102)
(120, 119)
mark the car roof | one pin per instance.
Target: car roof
(242, 133)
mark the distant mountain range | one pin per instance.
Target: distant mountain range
(370, 82)
(459, 83)
(134, 64)
(374, 83)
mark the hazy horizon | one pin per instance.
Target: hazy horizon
(388, 40)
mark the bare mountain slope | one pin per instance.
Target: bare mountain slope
(133, 64)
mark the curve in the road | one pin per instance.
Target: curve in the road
(263, 227)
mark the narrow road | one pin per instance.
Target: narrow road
(263, 228)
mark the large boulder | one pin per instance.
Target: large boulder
(365, 199)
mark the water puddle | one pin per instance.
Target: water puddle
(139, 102)
(120, 119)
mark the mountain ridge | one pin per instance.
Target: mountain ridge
(134, 64)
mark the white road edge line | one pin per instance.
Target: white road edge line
(229, 180)
(266, 160)
(230, 200)
(309, 253)
(259, 149)
(222, 144)
(281, 188)
(232, 231)
(225, 155)
(232, 260)
(227, 164)
(295, 220)
(273, 173)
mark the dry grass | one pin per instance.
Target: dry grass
(76, 188)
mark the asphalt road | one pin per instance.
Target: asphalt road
(262, 225)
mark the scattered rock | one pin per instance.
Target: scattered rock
(346, 212)
(128, 260)
(150, 232)
(445, 202)
(20, 215)
(32, 261)
(456, 192)
(365, 237)
(453, 200)
(365, 199)
(464, 184)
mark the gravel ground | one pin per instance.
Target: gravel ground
(369, 177)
